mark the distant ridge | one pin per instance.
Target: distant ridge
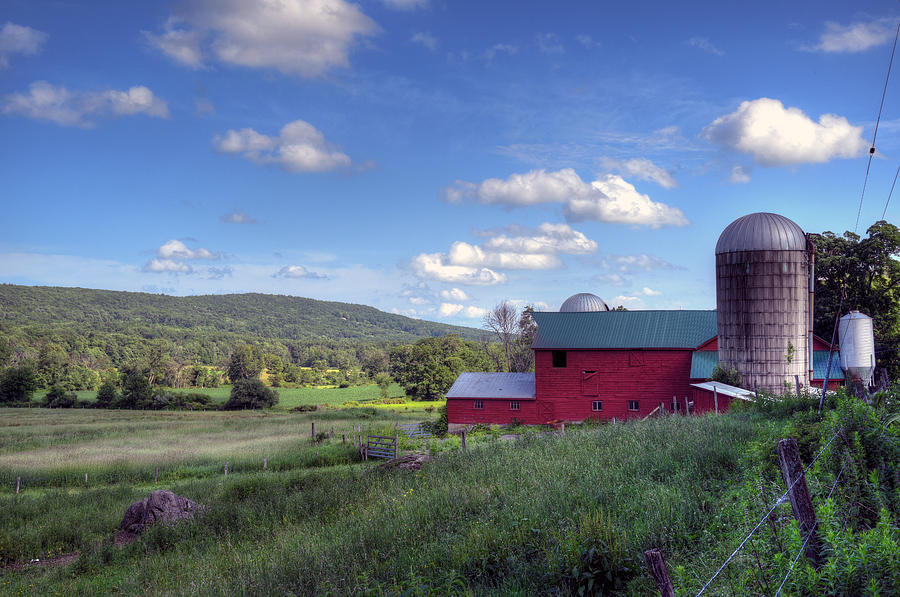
(250, 316)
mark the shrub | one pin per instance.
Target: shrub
(728, 376)
(438, 427)
(58, 397)
(17, 384)
(305, 408)
(251, 393)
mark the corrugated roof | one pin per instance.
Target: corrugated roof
(624, 329)
(703, 362)
(516, 386)
(820, 364)
(724, 389)
(761, 232)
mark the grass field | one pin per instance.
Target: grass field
(545, 514)
(288, 398)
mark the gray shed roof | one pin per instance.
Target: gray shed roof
(761, 232)
(514, 386)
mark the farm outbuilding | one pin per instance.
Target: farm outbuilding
(593, 363)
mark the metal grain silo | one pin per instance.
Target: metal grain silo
(582, 302)
(762, 298)
(857, 340)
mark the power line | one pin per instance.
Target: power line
(889, 194)
(877, 122)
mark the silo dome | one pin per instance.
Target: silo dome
(582, 302)
(762, 299)
(761, 232)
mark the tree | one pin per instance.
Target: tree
(522, 355)
(107, 394)
(384, 382)
(502, 320)
(58, 397)
(428, 368)
(865, 271)
(251, 393)
(17, 384)
(243, 363)
(137, 391)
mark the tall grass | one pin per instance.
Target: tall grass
(514, 517)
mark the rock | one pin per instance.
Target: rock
(161, 506)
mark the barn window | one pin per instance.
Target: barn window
(479, 404)
(597, 405)
(514, 405)
(559, 358)
(633, 405)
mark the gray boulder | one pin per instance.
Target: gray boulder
(161, 506)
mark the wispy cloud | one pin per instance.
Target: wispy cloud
(856, 37)
(701, 43)
(19, 39)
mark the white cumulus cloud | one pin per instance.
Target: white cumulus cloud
(298, 272)
(454, 294)
(434, 266)
(449, 309)
(45, 101)
(167, 266)
(778, 136)
(856, 37)
(608, 199)
(650, 292)
(425, 39)
(642, 168)
(474, 312)
(299, 147)
(175, 249)
(19, 39)
(298, 37)
(739, 175)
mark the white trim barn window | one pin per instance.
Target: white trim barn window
(513, 405)
(633, 405)
(597, 405)
(479, 404)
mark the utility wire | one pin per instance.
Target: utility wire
(808, 536)
(877, 122)
(778, 502)
(886, 203)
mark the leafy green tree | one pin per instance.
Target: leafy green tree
(522, 355)
(866, 272)
(428, 368)
(251, 393)
(107, 395)
(137, 391)
(244, 363)
(17, 384)
(384, 383)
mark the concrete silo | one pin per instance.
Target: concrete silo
(763, 302)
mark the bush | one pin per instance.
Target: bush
(251, 393)
(438, 428)
(17, 384)
(305, 408)
(728, 376)
(58, 397)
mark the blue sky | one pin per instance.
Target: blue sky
(430, 158)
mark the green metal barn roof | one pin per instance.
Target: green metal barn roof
(624, 329)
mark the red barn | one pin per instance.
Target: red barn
(605, 365)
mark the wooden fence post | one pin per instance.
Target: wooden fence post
(562, 429)
(85, 479)
(716, 398)
(226, 469)
(660, 574)
(343, 438)
(687, 406)
(18, 482)
(312, 433)
(265, 464)
(801, 503)
(396, 445)
(463, 437)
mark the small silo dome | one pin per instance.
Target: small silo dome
(583, 301)
(761, 232)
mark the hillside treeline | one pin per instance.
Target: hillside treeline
(73, 337)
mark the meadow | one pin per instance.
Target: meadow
(546, 513)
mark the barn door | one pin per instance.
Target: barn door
(545, 411)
